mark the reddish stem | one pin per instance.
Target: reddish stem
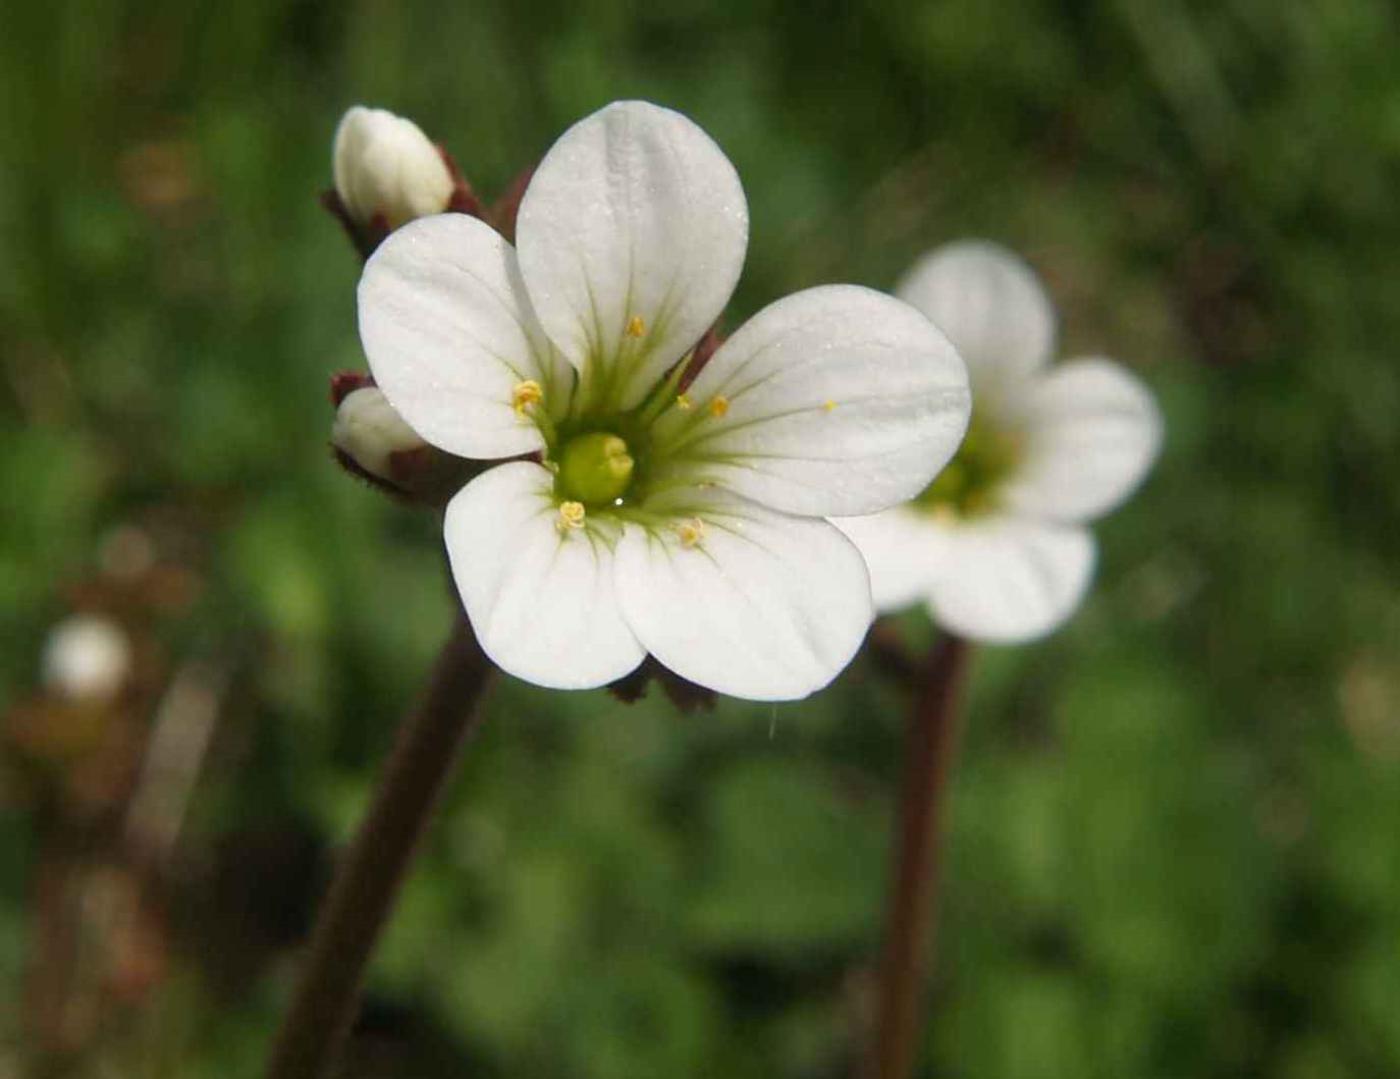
(363, 892)
(917, 867)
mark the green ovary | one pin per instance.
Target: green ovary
(595, 468)
(971, 482)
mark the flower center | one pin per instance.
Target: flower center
(595, 468)
(969, 485)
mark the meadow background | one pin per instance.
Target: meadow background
(1176, 841)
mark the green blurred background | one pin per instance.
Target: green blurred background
(1176, 841)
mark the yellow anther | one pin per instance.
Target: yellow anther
(683, 402)
(691, 532)
(719, 406)
(830, 406)
(525, 394)
(636, 326)
(571, 515)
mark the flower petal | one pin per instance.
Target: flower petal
(1009, 579)
(1092, 431)
(543, 604)
(751, 603)
(901, 548)
(632, 234)
(450, 334)
(836, 400)
(992, 307)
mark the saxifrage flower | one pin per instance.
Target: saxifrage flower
(644, 513)
(997, 544)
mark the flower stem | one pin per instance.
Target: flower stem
(362, 895)
(917, 866)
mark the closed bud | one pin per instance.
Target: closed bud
(386, 167)
(369, 432)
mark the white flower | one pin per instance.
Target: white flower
(86, 658)
(384, 164)
(997, 544)
(684, 524)
(370, 432)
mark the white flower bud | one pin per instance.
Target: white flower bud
(369, 431)
(87, 657)
(385, 164)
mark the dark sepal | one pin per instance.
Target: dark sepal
(423, 476)
(463, 199)
(364, 239)
(686, 696)
(344, 383)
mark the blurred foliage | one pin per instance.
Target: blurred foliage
(1176, 847)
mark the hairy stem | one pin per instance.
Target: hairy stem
(917, 864)
(362, 895)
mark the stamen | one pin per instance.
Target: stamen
(719, 406)
(830, 406)
(571, 515)
(525, 394)
(683, 402)
(636, 326)
(691, 532)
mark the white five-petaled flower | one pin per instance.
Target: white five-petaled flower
(684, 524)
(997, 544)
(384, 164)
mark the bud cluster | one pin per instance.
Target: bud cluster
(387, 172)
